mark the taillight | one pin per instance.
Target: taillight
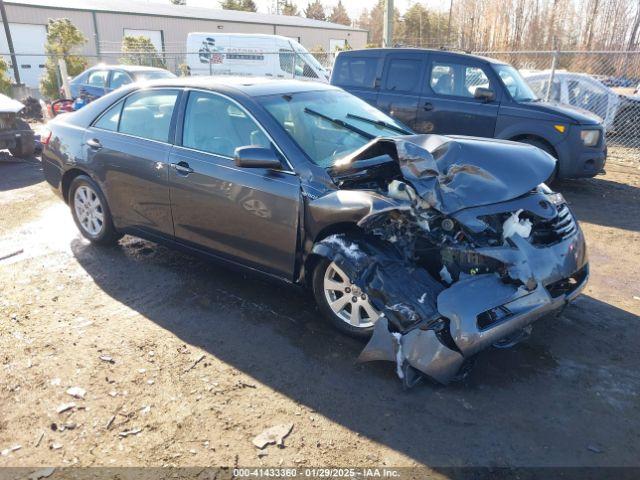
(45, 136)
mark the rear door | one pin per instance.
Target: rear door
(359, 75)
(247, 215)
(129, 147)
(401, 86)
(448, 105)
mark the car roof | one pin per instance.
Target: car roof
(252, 86)
(127, 68)
(385, 51)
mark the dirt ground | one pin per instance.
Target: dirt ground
(197, 359)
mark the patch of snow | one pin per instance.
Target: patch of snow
(352, 251)
(422, 298)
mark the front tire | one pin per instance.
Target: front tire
(91, 212)
(342, 303)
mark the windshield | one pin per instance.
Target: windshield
(330, 124)
(153, 75)
(513, 81)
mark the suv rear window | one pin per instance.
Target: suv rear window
(356, 71)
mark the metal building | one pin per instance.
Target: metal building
(105, 22)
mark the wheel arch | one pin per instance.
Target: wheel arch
(67, 179)
(312, 258)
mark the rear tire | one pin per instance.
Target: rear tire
(91, 212)
(546, 148)
(331, 286)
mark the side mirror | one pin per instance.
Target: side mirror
(485, 94)
(256, 157)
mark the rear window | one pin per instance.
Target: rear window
(356, 71)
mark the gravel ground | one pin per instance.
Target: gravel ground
(184, 362)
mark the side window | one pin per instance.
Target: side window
(147, 114)
(474, 77)
(109, 120)
(97, 78)
(456, 79)
(403, 75)
(286, 60)
(119, 79)
(442, 78)
(215, 124)
(356, 72)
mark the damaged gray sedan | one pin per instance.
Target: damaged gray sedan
(433, 248)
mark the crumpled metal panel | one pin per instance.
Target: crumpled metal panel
(452, 173)
(424, 352)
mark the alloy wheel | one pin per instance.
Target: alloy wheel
(347, 301)
(89, 210)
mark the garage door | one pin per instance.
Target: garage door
(154, 35)
(27, 38)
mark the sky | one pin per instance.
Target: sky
(354, 7)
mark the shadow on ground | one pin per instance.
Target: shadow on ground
(572, 385)
(602, 202)
(16, 173)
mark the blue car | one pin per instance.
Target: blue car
(102, 79)
(434, 91)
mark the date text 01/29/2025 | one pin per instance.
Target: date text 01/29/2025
(316, 472)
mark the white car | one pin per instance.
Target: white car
(620, 113)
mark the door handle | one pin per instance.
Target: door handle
(94, 143)
(182, 168)
(428, 106)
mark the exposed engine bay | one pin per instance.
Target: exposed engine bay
(461, 246)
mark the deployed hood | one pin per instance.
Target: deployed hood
(453, 173)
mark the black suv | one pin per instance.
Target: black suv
(435, 91)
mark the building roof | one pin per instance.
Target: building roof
(179, 11)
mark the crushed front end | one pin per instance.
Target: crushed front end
(456, 260)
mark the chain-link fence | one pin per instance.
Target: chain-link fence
(605, 83)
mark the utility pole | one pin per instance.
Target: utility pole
(449, 24)
(387, 28)
(7, 32)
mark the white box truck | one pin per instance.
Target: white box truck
(252, 54)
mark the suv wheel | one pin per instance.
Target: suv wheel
(543, 146)
(341, 302)
(91, 212)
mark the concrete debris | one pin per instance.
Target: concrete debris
(107, 358)
(274, 435)
(55, 382)
(65, 407)
(55, 446)
(7, 451)
(77, 392)
(133, 431)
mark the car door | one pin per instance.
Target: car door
(448, 105)
(401, 86)
(96, 83)
(129, 148)
(247, 215)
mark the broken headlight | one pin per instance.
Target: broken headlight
(590, 138)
